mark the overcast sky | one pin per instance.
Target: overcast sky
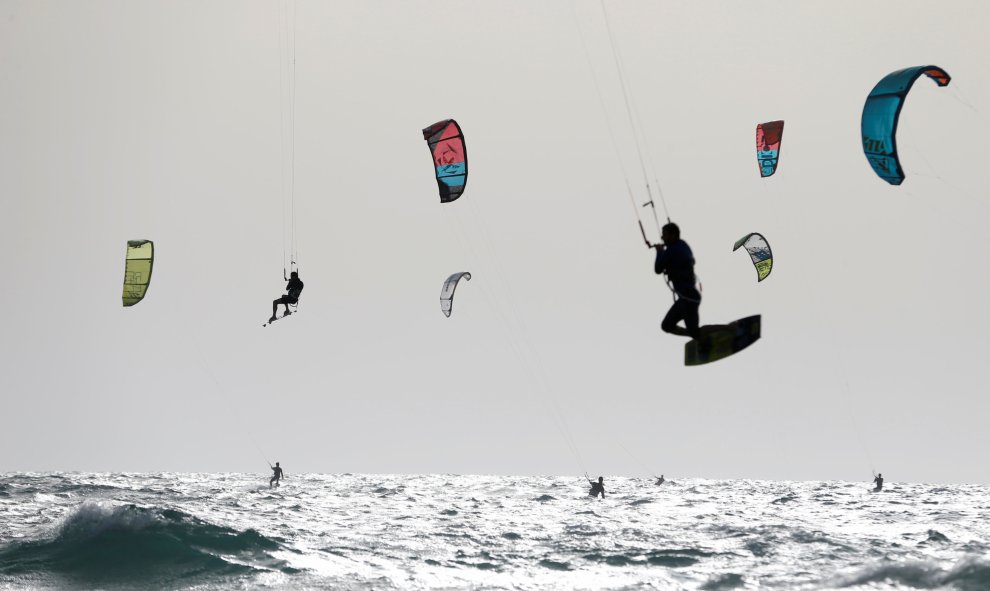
(162, 120)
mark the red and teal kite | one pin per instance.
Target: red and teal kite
(768, 136)
(449, 158)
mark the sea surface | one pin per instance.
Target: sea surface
(356, 531)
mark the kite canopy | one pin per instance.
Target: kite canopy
(137, 270)
(759, 252)
(449, 158)
(768, 136)
(880, 115)
(447, 292)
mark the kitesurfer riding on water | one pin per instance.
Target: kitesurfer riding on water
(674, 257)
(597, 488)
(276, 476)
(878, 480)
(294, 288)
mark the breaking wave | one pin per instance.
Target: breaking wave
(102, 543)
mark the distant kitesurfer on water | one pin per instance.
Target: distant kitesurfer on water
(276, 476)
(674, 257)
(878, 480)
(660, 480)
(294, 288)
(597, 488)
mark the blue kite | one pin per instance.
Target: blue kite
(880, 115)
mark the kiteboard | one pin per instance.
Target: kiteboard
(278, 318)
(721, 342)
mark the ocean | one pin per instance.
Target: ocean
(377, 531)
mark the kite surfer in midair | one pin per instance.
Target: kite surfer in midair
(294, 288)
(674, 257)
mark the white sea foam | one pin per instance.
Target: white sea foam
(443, 531)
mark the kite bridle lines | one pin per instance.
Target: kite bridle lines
(637, 137)
(286, 23)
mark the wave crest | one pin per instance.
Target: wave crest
(106, 543)
(970, 574)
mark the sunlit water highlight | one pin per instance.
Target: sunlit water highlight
(229, 531)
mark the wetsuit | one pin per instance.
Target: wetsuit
(294, 287)
(878, 480)
(677, 261)
(597, 488)
(276, 476)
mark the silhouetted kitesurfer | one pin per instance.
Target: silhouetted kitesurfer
(878, 480)
(660, 480)
(674, 257)
(276, 476)
(597, 488)
(294, 288)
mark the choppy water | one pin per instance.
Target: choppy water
(228, 531)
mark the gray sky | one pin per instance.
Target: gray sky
(161, 120)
